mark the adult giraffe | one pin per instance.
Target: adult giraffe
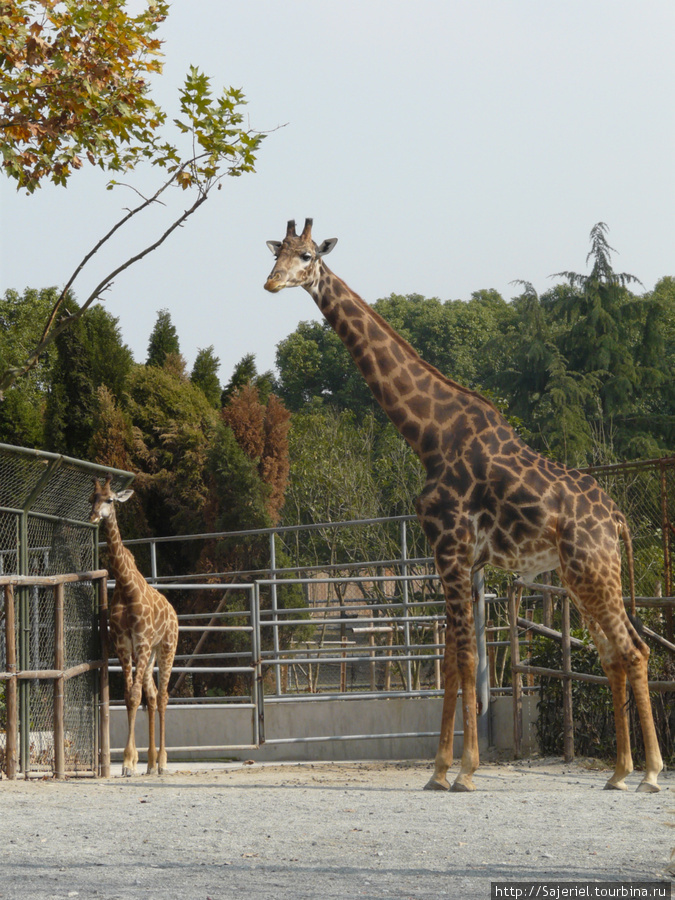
(143, 626)
(488, 498)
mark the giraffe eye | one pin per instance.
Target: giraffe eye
(306, 257)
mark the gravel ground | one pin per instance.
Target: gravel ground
(327, 831)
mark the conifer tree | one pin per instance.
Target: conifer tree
(205, 375)
(163, 340)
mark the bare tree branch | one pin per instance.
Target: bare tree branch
(54, 326)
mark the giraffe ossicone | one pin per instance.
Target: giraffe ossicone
(488, 498)
(143, 627)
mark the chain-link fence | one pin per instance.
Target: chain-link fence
(645, 493)
(45, 530)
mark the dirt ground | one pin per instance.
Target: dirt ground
(327, 831)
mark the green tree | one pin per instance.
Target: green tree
(112, 439)
(22, 413)
(88, 355)
(163, 340)
(245, 373)
(205, 375)
(173, 428)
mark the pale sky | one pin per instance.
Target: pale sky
(450, 146)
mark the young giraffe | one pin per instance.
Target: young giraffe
(488, 498)
(143, 626)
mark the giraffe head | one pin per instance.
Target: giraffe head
(297, 258)
(102, 499)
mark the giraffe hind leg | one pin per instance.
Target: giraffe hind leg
(626, 656)
(151, 699)
(165, 663)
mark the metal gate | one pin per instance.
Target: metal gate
(244, 663)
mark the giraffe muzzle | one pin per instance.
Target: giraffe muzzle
(274, 284)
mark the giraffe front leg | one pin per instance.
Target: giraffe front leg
(460, 670)
(470, 754)
(466, 666)
(130, 758)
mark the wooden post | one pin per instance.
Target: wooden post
(568, 715)
(516, 680)
(104, 684)
(10, 690)
(529, 615)
(59, 658)
(547, 618)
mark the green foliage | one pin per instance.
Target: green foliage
(205, 375)
(594, 731)
(22, 412)
(163, 340)
(214, 127)
(174, 425)
(246, 373)
(88, 355)
(238, 489)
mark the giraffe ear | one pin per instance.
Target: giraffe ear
(123, 496)
(326, 246)
(275, 246)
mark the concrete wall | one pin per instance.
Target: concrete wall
(206, 729)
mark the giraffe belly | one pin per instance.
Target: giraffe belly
(528, 563)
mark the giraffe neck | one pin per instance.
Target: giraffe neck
(418, 400)
(121, 561)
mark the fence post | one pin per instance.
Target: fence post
(275, 618)
(104, 683)
(404, 599)
(516, 679)
(10, 695)
(666, 533)
(257, 688)
(568, 715)
(153, 562)
(59, 656)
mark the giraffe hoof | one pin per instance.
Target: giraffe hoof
(647, 787)
(433, 785)
(463, 785)
(615, 786)
(127, 772)
(152, 770)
